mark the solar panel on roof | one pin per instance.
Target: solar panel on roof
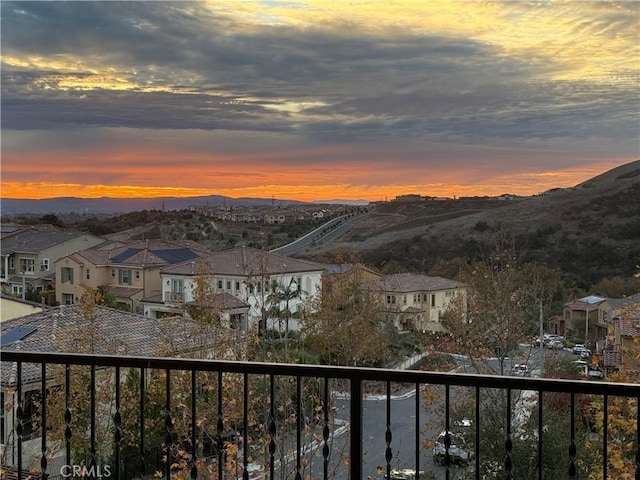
(128, 253)
(175, 255)
(15, 334)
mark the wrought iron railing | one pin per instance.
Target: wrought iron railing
(191, 418)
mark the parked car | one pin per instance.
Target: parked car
(404, 474)
(459, 454)
(593, 372)
(555, 344)
(585, 353)
(578, 348)
(549, 339)
(521, 370)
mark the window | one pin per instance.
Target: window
(299, 283)
(45, 264)
(17, 290)
(176, 286)
(433, 299)
(220, 284)
(67, 298)
(88, 274)
(12, 263)
(124, 277)
(228, 284)
(113, 273)
(137, 274)
(251, 289)
(237, 286)
(66, 275)
(27, 265)
(391, 299)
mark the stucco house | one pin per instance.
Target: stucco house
(29, 254)
(130, 271)
(257, 278)
(416, 302)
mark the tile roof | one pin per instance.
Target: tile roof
(66, 329)
(35, 241)
(611, 358)
(412, 282)
(246, 261)
(148, 253)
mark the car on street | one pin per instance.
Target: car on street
(404, 474)
(578, 348)
(521, 370)
(459, 453)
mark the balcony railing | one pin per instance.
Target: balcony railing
(173, 297)
(139, 417)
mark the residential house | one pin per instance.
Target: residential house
(29, 254)
(416, 302)
(130, 271)
(623, 335)
(68, 328)
(260, 279)
(599, 310)
(12, 307)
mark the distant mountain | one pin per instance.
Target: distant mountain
(12, 206)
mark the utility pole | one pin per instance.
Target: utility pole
(586, 327)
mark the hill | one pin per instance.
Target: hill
(589, 232)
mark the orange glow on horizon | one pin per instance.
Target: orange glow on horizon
(520, 184)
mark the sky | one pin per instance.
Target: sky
(315, 100)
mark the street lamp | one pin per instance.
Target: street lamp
(586, 326)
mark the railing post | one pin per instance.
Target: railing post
(355, 462)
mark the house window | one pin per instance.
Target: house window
(391, 299)
(67, 298)
(113, 273)
(137, 274)
(220, 284)
(88, 274)
(66, 275)
(124, 277)
(27, 265)
(299, 283)
(176, 286)
(45, 264)
(17, 290)
(12, 263)
(237, 286)
(251, 289)
(433, 299)
(228, 284)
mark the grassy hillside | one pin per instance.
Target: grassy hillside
(590, 232)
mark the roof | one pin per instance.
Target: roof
(412, 282)
(35, 241)
(246, 261)
(618, 303)
(147, 253)
(338, 268)
(226, 301)
(611, 358)
(66, 329)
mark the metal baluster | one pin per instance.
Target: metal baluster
(356, 429)
(388, 436)
(508, 444)
(447, 435)
(272, 428)
(637, 476)
(325, 431)
(605, 436)
(142, 420)
(298, 427)
(19, 415)
(540, 434)
(220, 429)
(245, 430)
(417, 427)
(168, 424)
(477, 421)
(67, 413)
(572, 445)
(43, 458)
(93, 462)
(117, 422)
(194, 441)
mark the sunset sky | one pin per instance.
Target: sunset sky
(315, 100)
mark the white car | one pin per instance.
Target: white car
(521, 370)
(458, 453)
(578, 348)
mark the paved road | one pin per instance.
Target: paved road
(325, 233)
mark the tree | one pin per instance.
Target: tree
(342, 323)
(278, 301)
